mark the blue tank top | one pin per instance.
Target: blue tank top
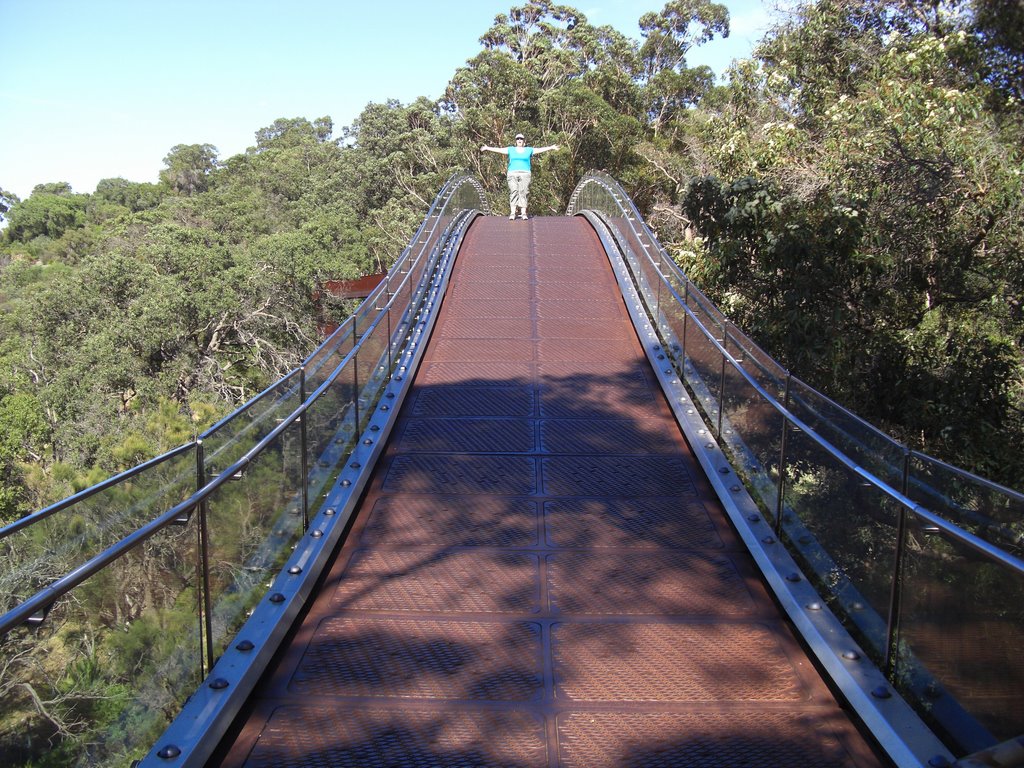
(519, 159)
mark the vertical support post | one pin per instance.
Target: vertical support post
(686, 316)
(782, 464)
(892, 636)
(721, 381)
(355, 377)
(206, 603)
(304, 448)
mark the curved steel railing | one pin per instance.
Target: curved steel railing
(152, 572)
(921, 561)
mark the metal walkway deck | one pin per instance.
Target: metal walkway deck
(539, 574)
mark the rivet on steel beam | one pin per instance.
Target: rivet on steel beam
(329, 512)
(851, 655)
(793, 577)
(367, 441)
(857, 606)
(219, 683)
(277, 597)
(295, 570)
(939, 761)
(355, 465)
(375, 428)
(316, 534)
(346, 483)
(768, 540)
(736, 489)
(754, 518)
(881, 692)
(723, 470)
(815, 606)
(168, 752)
(245, 646)
(385, 407)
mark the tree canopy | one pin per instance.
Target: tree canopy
(851, 195)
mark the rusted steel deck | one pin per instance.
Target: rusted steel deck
(539, 574)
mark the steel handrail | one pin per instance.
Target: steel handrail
(42, 514)
(41, 600)
(953, 530)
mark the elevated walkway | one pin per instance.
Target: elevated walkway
(539, 573)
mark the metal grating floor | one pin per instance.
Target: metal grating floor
(539, 574)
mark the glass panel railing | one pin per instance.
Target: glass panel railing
(36, 552)
(959, 640)
(329, 356)
(99, 680)
(842, 530)
(922, 599)
(752, 429)
(983, 508)
(330, 433)
(163, 574)
(372, 371)
(252, 523)
(862, 443)
(231, 438)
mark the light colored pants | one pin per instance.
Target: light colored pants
(518, 189)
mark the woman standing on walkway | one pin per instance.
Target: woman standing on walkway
(518, 171)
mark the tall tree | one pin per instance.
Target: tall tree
(188, 166)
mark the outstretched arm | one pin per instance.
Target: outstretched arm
(538, 150)
(499, 150)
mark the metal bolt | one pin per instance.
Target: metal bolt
(168, 752)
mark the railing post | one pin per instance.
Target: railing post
(304, 448)
(892, 636)
(779, 499)
(721, 381)
(686, 317)
(355, 375)
(203, 564)
(355, 392)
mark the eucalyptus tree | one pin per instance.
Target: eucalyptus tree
(669, 84)
(187, 168)
(867, 132)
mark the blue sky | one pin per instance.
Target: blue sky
(95, 89)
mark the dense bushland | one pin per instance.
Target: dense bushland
(852, 195)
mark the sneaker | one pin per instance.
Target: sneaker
(511, 217)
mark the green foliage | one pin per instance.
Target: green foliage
(45, 214)
(851, 196)
(876, 199)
